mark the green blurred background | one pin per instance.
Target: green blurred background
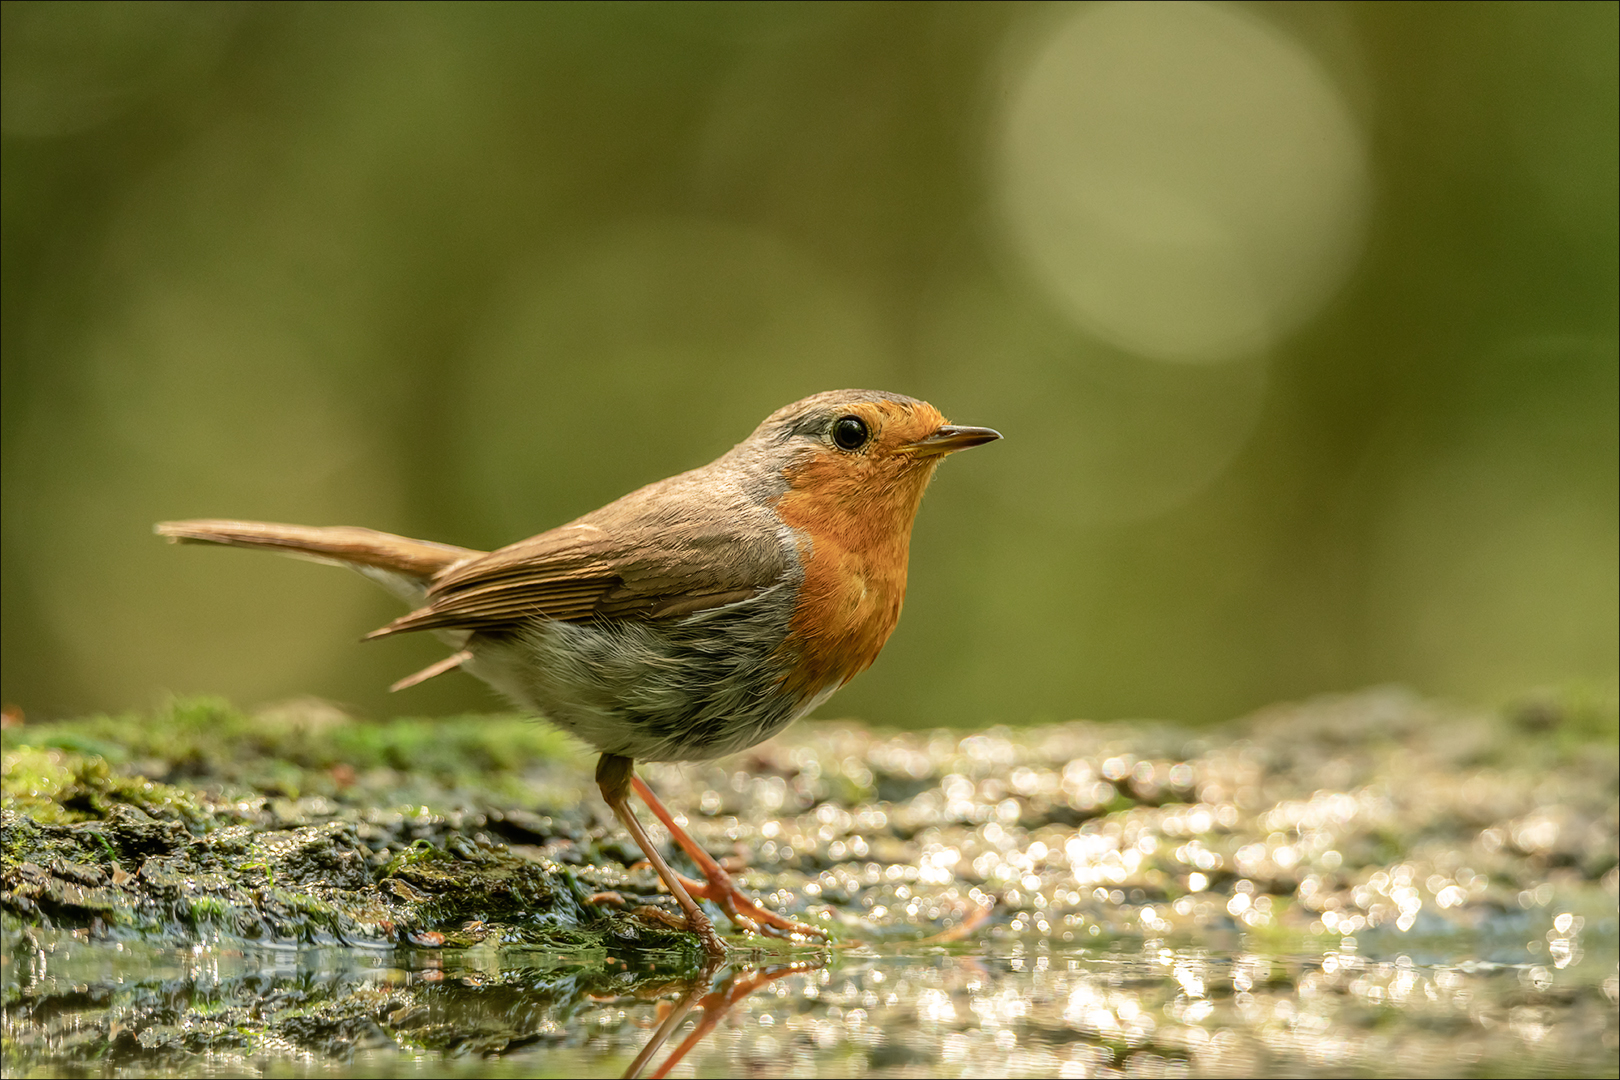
(1300, 321)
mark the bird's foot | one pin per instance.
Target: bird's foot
(718, 885)
(701, 926)
(745, 912)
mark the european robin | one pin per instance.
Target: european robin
(690, 619)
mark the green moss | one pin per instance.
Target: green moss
(36, 774)
(61, 787)
(208, 909)
(266, 827)
(206, 737)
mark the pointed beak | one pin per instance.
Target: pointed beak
(951, 438)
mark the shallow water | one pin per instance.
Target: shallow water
(1127, 1007)
(1368, 885)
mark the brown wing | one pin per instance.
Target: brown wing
(657, 553)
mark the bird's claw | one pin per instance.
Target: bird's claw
(746, 914)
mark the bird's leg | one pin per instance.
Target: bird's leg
(719, 887)
(613, 776)
(715, 1005)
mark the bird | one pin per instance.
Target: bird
(690, 619)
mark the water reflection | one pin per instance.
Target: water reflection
(1126, 1007)
(714, 1003)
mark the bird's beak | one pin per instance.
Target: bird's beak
(951, 438)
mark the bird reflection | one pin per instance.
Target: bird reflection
(715, 999)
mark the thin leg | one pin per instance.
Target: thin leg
(665, 1029)
(613, 775)
(719, 887)
(716, 1004)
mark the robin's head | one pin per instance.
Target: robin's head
(861, 451)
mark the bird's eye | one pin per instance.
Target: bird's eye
(849, 432)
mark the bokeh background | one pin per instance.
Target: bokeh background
(1300, 321)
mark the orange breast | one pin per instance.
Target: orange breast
(854, 578)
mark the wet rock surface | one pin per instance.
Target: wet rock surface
(234, 850)
(1370, 884)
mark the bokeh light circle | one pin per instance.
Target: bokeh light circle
(1182, 180)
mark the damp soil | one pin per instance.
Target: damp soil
(1369, 885)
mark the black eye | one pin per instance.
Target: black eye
(849, 432)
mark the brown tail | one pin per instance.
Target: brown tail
(340, 544)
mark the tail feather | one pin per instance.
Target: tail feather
(433, 671)
(341, 544)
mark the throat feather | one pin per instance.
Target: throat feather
(850, 599)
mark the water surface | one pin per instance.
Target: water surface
(1369, 885)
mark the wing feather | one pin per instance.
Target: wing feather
(655, 554)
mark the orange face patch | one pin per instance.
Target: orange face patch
(857, 509)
